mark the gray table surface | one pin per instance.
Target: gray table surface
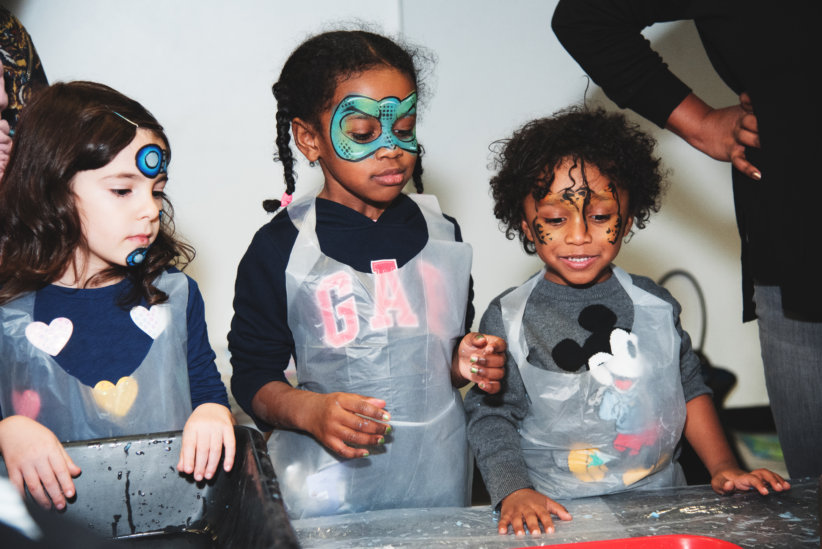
(786, 520)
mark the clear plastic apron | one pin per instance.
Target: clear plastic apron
(612, 428)
(388, 335)
(154, 398)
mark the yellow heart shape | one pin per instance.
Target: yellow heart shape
(116, 399)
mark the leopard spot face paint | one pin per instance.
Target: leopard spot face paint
(577, 224)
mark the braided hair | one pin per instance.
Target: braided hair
(309, 79)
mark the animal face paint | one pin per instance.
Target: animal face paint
(361, 126)
(576, 221)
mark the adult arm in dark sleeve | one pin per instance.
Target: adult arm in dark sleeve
(605, 38)
(493, 420)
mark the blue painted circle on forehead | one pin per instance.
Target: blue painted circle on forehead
(151, 160)
(387, 111)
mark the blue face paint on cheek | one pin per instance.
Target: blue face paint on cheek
(136, 257)
(381, 117)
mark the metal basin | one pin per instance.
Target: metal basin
(130, 490)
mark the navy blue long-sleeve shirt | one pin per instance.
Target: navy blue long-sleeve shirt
(107, 344)
(260, 341)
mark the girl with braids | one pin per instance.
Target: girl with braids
(102, 335)
(367, 288)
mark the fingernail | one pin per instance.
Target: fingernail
(474, 370)
(757, 176)
(388, 429)
(473, 359)
(386, 417)
(480, 336)
(381, 440)
(366, 454)
(482, 385)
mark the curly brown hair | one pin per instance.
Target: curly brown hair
(69, 128)
(526, 163)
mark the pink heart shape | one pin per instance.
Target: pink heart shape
(26, 403)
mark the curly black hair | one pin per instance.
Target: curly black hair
(310, 76)
(619, 149)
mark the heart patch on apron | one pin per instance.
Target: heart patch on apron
(50, 338)
(152, 321)
(116, 399)
(26, 403)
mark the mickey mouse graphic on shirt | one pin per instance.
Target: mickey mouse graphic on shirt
(115, 398)
(611, 355)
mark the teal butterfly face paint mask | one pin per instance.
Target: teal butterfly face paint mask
(362, 125)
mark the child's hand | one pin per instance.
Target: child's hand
(209, 428)
(36, 459)
(528, 508)
(479, 358)
(733, 479)
(340, 419)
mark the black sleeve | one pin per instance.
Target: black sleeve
(605, 38)
(260, 341)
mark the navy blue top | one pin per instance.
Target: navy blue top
(260, 340)
(106, 344)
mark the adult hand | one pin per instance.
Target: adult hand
(722, 134)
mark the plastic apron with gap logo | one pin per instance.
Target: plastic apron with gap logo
(154, 398)
(389, 335)
(614, 427)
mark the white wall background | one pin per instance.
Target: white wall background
(205, 69)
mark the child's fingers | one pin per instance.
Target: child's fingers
(774, 480)
(43, 486)
(202, 455)
(230, 447)
(188, 449)
(483, 373)
(365, 406)
(560, 511)
(339, 446)
(517, 525)
(62, 466)
(532, 520)
(490, 387)
(495, 345)
(213, 452)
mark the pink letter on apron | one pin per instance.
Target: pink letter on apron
(390, 296)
